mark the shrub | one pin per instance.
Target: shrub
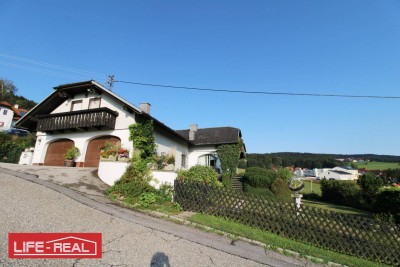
(341, 192)
(227, 181)
(242, 164)
(388, 201)
(259, 177)
(262, 192)
(201, 174)
(280, 188)
(146, 199)
(132, 188)
(370, 185)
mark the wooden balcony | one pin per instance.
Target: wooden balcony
(82, 120)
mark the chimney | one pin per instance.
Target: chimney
(192, 131)
(145, 107)
(16, 106)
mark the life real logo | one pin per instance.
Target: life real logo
(54, 245)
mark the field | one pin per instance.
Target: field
(377, 165)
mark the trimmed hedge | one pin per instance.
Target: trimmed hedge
(259, 177)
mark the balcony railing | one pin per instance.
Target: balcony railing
(89, 119)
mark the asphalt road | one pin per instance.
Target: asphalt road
(29, 204)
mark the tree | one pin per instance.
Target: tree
(7, 87)
(229, 156)
(370, 185)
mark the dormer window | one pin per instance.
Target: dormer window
(94, 103)
(76, 105)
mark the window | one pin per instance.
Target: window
(208, 160)
(5, 112)
(183, 161)
(94, 103)
(76, 105)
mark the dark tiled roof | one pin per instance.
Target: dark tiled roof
(340, 172)
(213, 136)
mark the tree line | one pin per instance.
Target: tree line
(310, 160)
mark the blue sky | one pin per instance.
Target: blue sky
(327, 47)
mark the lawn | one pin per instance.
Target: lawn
(311, 187)
(377, 165)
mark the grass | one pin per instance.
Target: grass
(316, 187)
(336, 208)
(275, 241)
(377, 165)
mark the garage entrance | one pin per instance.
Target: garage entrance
(55, 152)
(92, 157)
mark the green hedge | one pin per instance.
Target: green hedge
(388, 201)
(259, 177)
(342, 192)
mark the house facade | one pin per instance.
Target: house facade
(87, 115)
(9, 115)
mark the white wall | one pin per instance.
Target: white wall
(353, 172)
(110, 172)
(81, 141)
(330, 174)
(196, 152)
(6, 119)
(160, 177)
(171, 146)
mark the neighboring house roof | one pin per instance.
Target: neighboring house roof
(213, 136)
(18, 112)
(341, 172)
(346, 168)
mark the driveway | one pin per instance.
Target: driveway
(29, 204)
(84, 180)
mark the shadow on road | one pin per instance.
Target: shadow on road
(160, 259)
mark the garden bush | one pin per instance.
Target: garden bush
(200, 174)
(388, 201)
(258, 191)
(342, 192)
(281, 190)
(259, 177)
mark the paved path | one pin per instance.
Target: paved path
(129, 238)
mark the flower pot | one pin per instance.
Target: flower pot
(69, 163)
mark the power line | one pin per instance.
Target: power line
(54, 66)
(40, 70)
(258, 92)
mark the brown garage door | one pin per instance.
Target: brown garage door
(93, 150)
(55, 152)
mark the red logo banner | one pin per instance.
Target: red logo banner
(54, 245)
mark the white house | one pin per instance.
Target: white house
(9, 115)
(335, 175)
(87, 115)
(348, 169)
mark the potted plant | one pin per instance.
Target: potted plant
(70, 155)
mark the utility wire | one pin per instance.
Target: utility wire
(258, 92)
(54, 66)
(40, 70)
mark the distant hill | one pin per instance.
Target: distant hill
(20, 100)
(8, 93)
(311, 160)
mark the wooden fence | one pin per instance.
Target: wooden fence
(349, 234)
